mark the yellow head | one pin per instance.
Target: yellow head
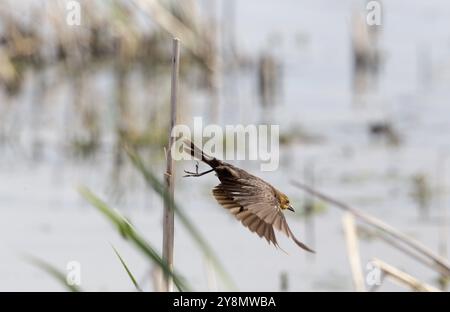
(284, 202)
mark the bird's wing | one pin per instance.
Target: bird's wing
(256, 206)
(248, 219)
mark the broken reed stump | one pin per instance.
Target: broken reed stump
(402, 277)
(351, 238)
(168, 218)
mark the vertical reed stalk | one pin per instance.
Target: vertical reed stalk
(168, 219)
(309, 208)
(351, 237)
(441, 191)
(214, 63)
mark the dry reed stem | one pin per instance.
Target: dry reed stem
(351, 237)
(402, 277)
(168, 219)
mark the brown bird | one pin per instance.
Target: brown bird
(257, 204)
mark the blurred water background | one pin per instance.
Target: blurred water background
(363, 114)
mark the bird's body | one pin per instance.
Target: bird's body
(255, 203)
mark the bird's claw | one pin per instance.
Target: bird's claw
(190, 173)
(196, 166)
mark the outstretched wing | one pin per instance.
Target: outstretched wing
(253, 202)
(247, 218)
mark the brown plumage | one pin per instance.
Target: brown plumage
(257, 204)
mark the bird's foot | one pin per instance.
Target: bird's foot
(196, 173)
(190, 173)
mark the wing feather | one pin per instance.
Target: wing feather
(255, 206)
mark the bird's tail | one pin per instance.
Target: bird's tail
(299, 243)
(197, 153)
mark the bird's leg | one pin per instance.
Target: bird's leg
(196, 174)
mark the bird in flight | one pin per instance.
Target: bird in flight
(255, 203)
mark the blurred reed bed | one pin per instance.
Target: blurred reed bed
(123, 40)
(390, 235)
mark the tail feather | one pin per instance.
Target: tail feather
(299, 243)
(194, 151)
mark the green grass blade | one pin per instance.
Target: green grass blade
(131, 234)
(160, 188)
(53, 271)
(130, 275)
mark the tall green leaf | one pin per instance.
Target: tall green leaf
(130, 275)
(129, 232)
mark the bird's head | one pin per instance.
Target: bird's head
(284, 202)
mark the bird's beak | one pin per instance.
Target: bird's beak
(291, 208)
